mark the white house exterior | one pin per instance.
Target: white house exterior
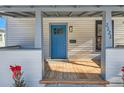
(84, 32)
(31, 29)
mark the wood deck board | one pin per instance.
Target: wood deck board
(84, 72)
(99, 82)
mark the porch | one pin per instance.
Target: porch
(29, 27)
(72, 72)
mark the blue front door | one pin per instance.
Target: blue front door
(58, 41)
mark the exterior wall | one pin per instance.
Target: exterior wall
(20, 31)
(119, 31)
(83, 33)
(30, 60)
(114, 63)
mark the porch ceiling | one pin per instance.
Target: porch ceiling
(58, 13)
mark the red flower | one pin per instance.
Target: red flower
(16, 71)
(18, 68)
(15, 68)
(12, 68)
(122, 70)
(17, 75)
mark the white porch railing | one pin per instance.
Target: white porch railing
(114, 63)
(29, 59)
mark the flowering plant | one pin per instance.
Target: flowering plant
(17, 76)
(123, 74)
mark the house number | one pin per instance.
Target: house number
(108, 30)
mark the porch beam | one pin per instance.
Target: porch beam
(6, 14)
(115, 12)
(82, 13)
(17, 14)
(44, 13)
(28, 13)
(107, 39)
(57, 14)
(70, 14)
(61, 8)
(96, 13)
(122, 13)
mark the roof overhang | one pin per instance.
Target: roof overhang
(61, 11)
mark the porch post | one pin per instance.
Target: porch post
(106, 39)
(39, 36)
(38, 29)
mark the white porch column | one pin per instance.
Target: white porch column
(39, 36)
(106, 39)
(38, 29)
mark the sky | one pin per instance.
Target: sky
(2, 22)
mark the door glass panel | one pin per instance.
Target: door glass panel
(58, 31)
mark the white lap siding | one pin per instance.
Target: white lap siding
(119, 31)
(83, 33)
(20, 31)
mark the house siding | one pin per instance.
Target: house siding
(83, 33)
(118, 31)
(20, 31)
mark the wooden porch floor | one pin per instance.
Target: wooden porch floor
(84, 72)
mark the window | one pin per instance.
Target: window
(99, 34)
(58, 31)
